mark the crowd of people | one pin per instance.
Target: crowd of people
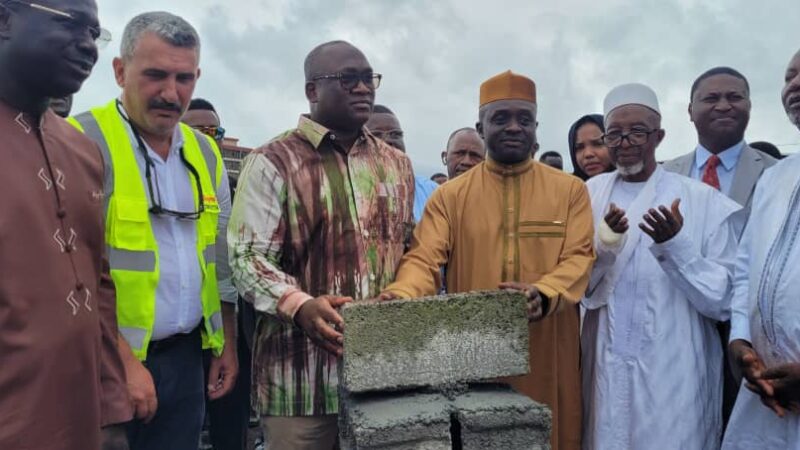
(142, 290)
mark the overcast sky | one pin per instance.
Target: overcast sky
(434, 54)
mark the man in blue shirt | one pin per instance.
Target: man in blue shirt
(385, 126)
(157, 69)
(720, 110)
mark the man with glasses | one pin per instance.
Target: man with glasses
(202, 116)
(228, 417)
(320, 218)
(62, 379)
(660, 287)
(167, 202)
(384, 125)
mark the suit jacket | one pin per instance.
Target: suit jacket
(749, 168)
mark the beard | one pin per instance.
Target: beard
(627, 171)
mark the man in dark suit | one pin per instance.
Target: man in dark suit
(719, 107)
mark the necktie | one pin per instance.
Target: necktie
(710, 176)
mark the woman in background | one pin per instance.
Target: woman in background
(589, 154)
(590, 158)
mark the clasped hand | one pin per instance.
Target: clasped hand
(778, 387)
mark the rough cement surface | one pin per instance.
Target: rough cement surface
(432, 341)
(397, 422)
(499, 418)
(488, 416)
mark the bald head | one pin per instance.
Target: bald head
(340, 87)
(319, 59)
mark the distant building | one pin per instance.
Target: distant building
(233, 155)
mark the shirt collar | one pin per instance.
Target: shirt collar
(508, 170)
(727, 157)
(315, 132)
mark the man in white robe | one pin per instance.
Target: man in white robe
(653, 378)
(765, 321)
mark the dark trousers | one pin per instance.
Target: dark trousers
(229, 416)
(176, 364)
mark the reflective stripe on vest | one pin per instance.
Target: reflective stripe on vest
(132, 260)
(89, 127)
(209, 155)
(132, 248)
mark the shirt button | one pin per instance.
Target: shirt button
(79, 286)
(61, 213)
(69, 248)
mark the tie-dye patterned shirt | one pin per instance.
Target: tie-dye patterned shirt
(312, 219)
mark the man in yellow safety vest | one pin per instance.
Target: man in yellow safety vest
(167, 203)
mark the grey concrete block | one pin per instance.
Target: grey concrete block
(499, 418)
(395, 422)
(432, 341)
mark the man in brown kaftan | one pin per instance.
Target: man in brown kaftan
(62, 379)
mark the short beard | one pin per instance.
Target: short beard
(628, 171)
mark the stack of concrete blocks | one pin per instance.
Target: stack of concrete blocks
(417, 375)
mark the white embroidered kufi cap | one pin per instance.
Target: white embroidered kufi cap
(630, 94)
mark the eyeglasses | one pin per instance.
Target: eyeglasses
(156, 207)
(350, 80)
(635, 137)
(216, 133)
(101, 36)
(389, 134)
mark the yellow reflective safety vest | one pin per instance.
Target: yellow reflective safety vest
(132, 247)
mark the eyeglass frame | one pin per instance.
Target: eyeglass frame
(627, 137)
(156, 207)
(218, 135)
(371, 80)
(103, 38)
(392, 134)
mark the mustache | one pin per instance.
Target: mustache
(163, 104)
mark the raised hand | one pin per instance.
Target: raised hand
(663, 224)
(616, 220)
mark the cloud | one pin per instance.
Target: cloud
(434, 55)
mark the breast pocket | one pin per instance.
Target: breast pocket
(540, 242)
(130, 224)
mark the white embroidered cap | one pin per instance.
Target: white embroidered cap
(631, 94)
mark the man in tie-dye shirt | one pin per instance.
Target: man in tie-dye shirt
(320, 218)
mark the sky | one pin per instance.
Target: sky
(434, 54)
